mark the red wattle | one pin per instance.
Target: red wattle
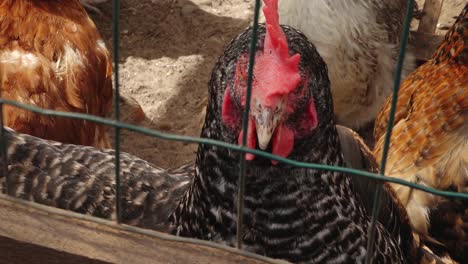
(283, 142)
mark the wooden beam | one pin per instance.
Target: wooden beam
(429, 20)
(102, 240)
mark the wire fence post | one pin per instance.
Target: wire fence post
(396, 87)
(118, 196)
(245, 127)
(3, 142)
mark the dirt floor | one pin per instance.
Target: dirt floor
(167, 51)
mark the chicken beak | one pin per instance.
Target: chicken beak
(266, 120)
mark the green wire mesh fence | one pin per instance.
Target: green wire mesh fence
(396, 87)
(241, 148)
(116, 39)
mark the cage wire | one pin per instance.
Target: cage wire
(116, 38)
(388, 134)
(380, 177)
(245, 127)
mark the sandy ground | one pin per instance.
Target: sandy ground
(167, 51)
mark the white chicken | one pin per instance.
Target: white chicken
(359, 41)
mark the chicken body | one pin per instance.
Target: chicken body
(300, 215)
(52, 56)
(359, 41)
(429, 143)
(82, 179)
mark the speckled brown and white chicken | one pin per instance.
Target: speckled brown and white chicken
(429, 143)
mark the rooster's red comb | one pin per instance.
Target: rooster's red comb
(275, 35)
(276, 46)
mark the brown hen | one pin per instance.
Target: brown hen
(429, 143)
(52, 56)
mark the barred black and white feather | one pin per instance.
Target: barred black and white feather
(82, 179)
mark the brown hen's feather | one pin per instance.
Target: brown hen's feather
(391, 213)
(429, 143)
(52, 56)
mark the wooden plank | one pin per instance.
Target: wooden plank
(425, 45)
(99, 239)
(17, 252)
(431, 9)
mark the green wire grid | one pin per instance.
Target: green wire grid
(115, 38)
(3, 144)
(245, 127)
(388, 133)
(207, 141)
(241, 148)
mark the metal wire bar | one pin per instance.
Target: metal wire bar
(3, 142)
(245, 127)
(396, 88)
(115, 38)
(256, 152)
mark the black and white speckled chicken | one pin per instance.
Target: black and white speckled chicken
(359, 42)
(82, 179)
(296, 214)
